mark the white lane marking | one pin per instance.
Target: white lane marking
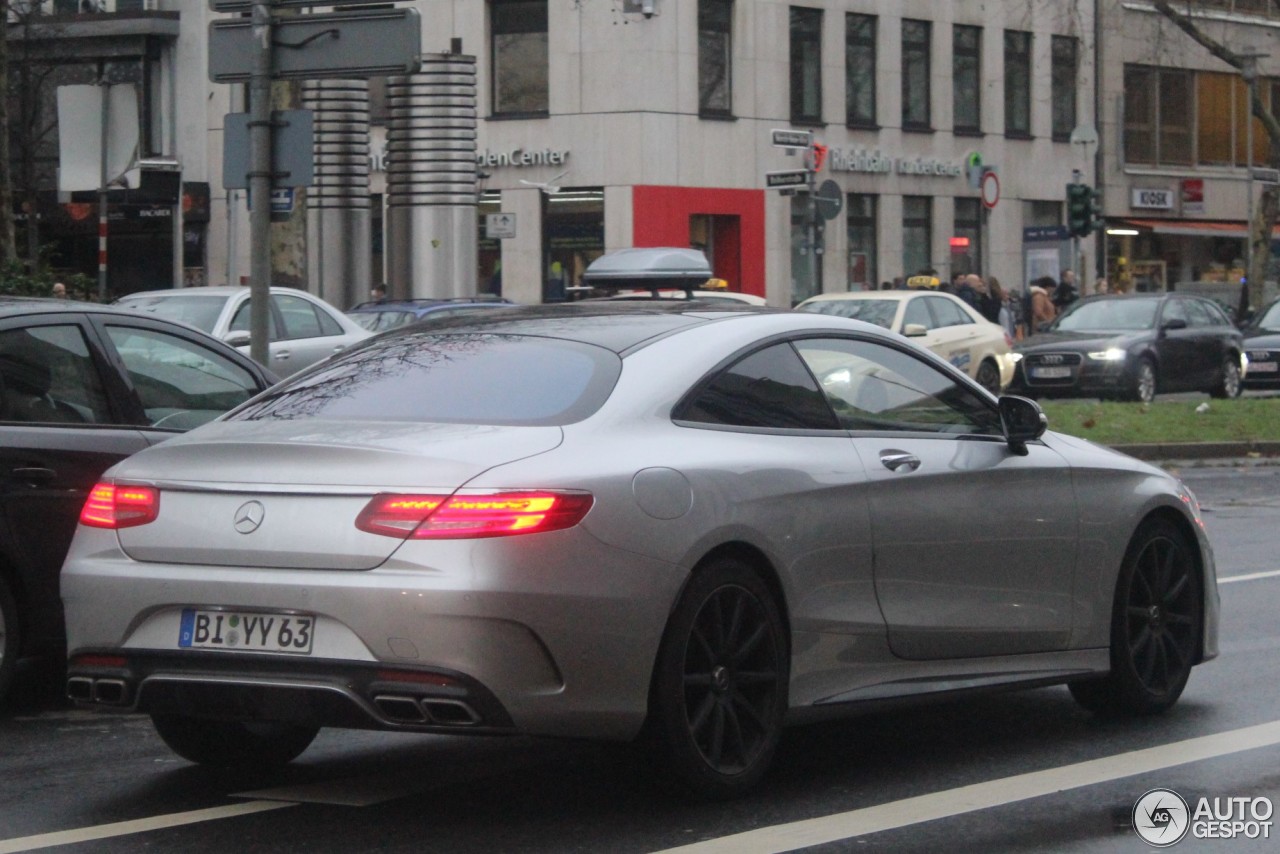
(980, 796)
(348, 792)
(140, 825)
(1253, 576)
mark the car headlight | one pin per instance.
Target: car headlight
(1111, 354)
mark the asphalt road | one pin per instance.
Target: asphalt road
(1017, 772)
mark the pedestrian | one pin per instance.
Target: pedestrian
(964, 289)
(886, 286)
(1066, 292)
(1005, 314)
(378, 293)
(1042, 308)
(1100, 286)
(59, 290)
(986, 302)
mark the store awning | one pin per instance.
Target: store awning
(1190, 227)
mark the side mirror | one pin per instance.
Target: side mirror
(237, 339)
(1023, 421)
(915, 330)
(1175, 323)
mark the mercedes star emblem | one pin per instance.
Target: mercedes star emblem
(249, 517)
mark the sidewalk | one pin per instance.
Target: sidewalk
(1207, 452)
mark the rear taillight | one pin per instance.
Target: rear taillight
(116, 506)
(504, 514)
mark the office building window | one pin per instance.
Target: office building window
(966, 79)
(860, 70)
(862, 210)
(1017, 83)
(916, 39)
(967, 257)
(715, 57)
(917, 234)
(1157, 117)
(519, 51)
(1064, 87)
(806, 65)
(1222, 134)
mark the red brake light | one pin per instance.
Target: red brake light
(113, 506)
(503, 514)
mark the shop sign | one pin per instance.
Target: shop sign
(521, 157)
(1193, 196)
(876, 162)
(500, 226)
(1147, 199)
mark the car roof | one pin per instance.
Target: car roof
(892, 295)
(616, 326)
(20, 305)
(212, 290)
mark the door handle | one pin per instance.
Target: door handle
(34, 474)
(339, 348)
(282, 354)
(895, 460)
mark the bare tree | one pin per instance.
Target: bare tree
(8, 252)
(1268, 208)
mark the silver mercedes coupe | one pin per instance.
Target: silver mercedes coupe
(689, 523)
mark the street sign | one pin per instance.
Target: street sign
(792, 138)
(830, 199)
(282, 201)
(789, 178)
(500, 226)
(291, 149)
(1266, 176)
(371, 43)
(990, 190)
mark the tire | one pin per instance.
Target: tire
(1229, 383)
(719, 691)
(1142, 387)
(1156, 626)
(989, 376)
(9, 639)
(233, 744)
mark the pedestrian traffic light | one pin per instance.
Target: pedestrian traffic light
(1079, 209)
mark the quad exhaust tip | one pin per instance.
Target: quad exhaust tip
(413, 710)
(107, 692)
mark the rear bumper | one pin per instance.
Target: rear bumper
(554, 635)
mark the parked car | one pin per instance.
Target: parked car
(575, 520)
(940, 322)
(304, 328)
(388, 314)
(1133, 346)
(1262, 346)
(82, 386)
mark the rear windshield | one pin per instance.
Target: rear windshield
(465, 378)
(199, 310)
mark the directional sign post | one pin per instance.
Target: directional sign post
(789, 178)
(792, 138)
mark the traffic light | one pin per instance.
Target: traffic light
(1084, 210)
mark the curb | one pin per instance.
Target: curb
(1199, 450)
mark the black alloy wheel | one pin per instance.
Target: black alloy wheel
(720, 688)
(1229, 381)
(989, 376)
(1156, 626)
(233, 744)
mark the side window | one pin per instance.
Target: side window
(917, 312)
(47, 375)
(1174, 309)
(328, 326)
(181, 384)
(299, 317)
(1199, 314)
(874, 387)
(769, 388)
(948, 313)
(241, 322)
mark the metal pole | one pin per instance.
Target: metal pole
(260, 185)
(1251, 76)
(811, 221)
(102, 186)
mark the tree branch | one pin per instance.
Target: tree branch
(1191, 28)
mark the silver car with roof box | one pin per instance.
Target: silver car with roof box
(683, 523)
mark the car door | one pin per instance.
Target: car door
(61, 425)
(975, 545)
(1178, 348)
(1210, 335)
(954, 333)
(309, 333)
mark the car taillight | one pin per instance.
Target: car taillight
(422, 517)
(115, 506)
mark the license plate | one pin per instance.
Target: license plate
(247, 632)
(1050, 373)
(1263, 367)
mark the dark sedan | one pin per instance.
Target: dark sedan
(1133, 347)
(83, 386)
(1262, 346)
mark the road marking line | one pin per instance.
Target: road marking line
(980, 796)
(141, 825)
(1253, 576)
(348, 792)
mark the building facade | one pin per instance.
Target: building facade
(604, 124)
(1179, 173)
